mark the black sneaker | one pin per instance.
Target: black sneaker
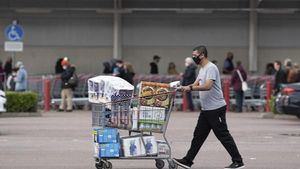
(235, 165)
(183, 163)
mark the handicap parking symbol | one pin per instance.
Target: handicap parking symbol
(14, 32)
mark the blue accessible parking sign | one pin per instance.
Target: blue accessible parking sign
(14, 32)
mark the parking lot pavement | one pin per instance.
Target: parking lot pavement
(64, 141)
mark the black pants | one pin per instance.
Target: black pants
(239, 97)
(215, 120)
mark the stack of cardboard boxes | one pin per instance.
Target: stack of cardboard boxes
(106, 142)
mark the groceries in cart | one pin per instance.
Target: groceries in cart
(115, 108)
(103, 89)
(151, 118)
(107, 143)
(154, 94)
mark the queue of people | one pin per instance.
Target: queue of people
(13, 78)
(16, 78)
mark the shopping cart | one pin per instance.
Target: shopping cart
(141, 120)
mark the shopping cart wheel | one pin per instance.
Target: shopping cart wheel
(99, 165)
(107, 165)
(172, 165)
(159, 163)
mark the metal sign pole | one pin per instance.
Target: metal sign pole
(13, 56)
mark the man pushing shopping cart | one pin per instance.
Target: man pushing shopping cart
(213, 113)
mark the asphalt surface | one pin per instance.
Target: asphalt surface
(64, 141)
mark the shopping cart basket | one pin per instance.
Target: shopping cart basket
(137, 116)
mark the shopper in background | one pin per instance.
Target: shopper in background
(228, 66)
(8, 67)
(154, 66)
(129, 72)
(293, 74)
(58, 67)
(2, 76)
(21, 78)
(270, 69)
(107, 68)
(67, 88)
(10, 82)
(236, 82)
(172, 69)
(119, 69)
(280, 77)
(189, 77)
(213, 113)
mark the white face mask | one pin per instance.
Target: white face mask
(65, 67)
(186, 64)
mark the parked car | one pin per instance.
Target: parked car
(288, 101)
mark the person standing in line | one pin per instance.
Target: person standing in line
(8, 67)
(58, 67)
(236, 82)
(213, 114)
(172, 69)
(189, 77)
(10, 82)
(153, 65)
(280, 77)
(119, 70)
(129, 72)
(21, 78)
(67, 88)
(228, 64)
(107, 68)
(2, 76)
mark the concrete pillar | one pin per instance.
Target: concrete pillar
(253, 36)
(117, 35)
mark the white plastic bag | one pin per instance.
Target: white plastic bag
(244, 86)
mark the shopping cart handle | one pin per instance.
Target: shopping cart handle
(175, 84)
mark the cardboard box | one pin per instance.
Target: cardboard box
(133, 147)
(96, 149)
(135, 117)
(151, 118)
(163, 149)
(150, 145)
(154, 94)
(106, 135)
(107, 150)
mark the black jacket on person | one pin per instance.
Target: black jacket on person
(129, 77)
(65, 76)
(189, 75)
(153, 68)
(280, 78)
(7, 68)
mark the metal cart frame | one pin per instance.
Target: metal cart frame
(102, 115)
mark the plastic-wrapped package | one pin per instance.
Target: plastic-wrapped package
(103, 89)
(133, 146)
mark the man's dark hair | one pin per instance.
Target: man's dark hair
(278, 62)
(156, 57)
(119, 61)
(201, 49)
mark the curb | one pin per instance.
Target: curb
(20, 114)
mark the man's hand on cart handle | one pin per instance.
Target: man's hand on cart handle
(184, 89)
